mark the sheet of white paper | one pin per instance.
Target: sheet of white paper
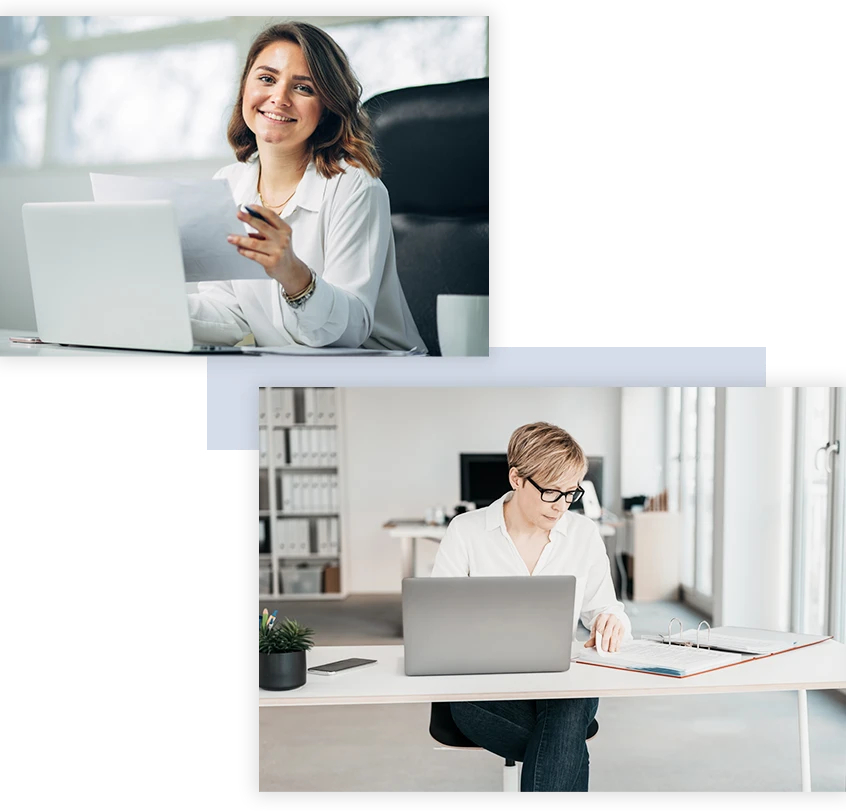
(205, 213)
(298, 349)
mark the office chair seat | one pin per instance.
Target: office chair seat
(445, 731)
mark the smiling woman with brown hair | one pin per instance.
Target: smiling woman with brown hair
(307, 164)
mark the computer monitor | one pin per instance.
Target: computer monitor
(484, 478)
(594, 476)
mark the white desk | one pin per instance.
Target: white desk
(818, 667)
(408, 535)
(8, 349)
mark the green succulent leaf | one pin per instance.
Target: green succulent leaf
(286, 637)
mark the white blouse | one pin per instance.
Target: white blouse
(477, 544)
(342, 231)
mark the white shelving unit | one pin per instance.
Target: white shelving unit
(300, 494)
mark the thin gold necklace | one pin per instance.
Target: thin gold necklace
(266, 205)
(281, 205)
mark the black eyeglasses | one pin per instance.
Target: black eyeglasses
(551, 496)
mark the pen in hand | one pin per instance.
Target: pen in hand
(253, 213)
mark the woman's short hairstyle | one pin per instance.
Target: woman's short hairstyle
(545, 453)
(344, 130)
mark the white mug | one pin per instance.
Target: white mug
(463, 325)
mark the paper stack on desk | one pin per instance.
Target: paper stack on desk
(205, 214)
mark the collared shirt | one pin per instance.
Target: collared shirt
(477, 544)
(342, 231)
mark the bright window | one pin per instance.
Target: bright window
(78, 27)
(167, 104)
(412, 51)
(24, 34)
(149, 89)
(23, 101)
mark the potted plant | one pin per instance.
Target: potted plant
(282, 653)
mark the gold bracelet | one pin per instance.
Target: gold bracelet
(301, 298)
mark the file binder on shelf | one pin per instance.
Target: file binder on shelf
(298, 450)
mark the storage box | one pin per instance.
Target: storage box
(300, 581)
(332, 579)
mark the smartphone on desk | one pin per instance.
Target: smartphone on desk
(340, 666)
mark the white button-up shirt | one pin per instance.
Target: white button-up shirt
(342, 231)
(477, 544)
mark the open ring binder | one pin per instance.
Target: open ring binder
(685, 642)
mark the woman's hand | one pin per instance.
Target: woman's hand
(611, 627)
(272, 249)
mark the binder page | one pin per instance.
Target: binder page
(750, 640)
(656, 657)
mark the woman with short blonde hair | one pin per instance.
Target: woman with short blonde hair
(531, 532)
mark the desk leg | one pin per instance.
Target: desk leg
(804, 747)
(408, 548)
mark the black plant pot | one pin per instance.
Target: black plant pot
(282, 671)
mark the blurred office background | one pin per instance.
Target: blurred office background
(751, 495)
(153, 95)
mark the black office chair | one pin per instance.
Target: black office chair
(445, 731)
(433, 144)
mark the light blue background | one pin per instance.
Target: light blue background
(678, 219)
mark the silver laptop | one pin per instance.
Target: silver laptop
(109, 275)
(463, 625)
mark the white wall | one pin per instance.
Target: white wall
(402, 447)
(753, 513)
(642, 441)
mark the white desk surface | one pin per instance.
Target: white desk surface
(817, 667)
(14, 350)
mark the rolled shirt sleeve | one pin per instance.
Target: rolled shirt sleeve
(340, 312)
(216, 315)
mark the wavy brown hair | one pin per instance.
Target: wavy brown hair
(344, 131)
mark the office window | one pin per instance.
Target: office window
(179, 98)
(687, 483)
(691, 419)
(813, 485)
(79, 27)
(24, 34)
(706, 414)
(673, 447)
(120, 91)
(412, 51)
(23, 107)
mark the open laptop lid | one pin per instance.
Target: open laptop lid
(464, 625)
(108, 275)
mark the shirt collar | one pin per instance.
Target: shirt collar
(495, 516)
(309, 194)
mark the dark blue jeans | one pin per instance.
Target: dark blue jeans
(547, 735)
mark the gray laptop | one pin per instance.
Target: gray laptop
(109, 275)
(463, 625)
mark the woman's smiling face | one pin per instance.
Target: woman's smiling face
(281, 105)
